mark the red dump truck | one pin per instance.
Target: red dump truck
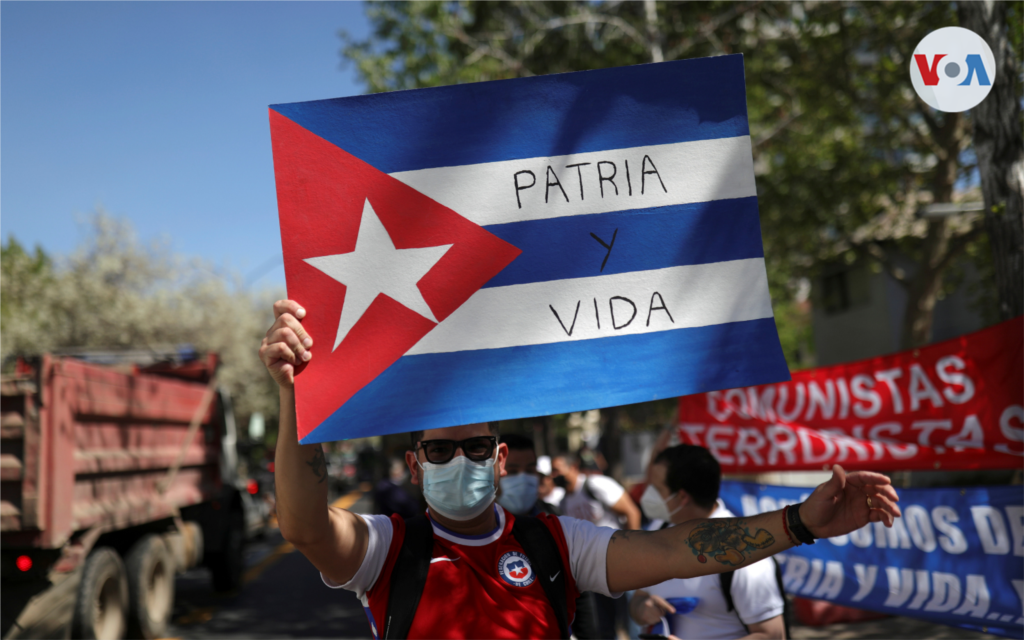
(114, 479)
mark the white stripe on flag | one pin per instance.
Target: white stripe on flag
(517, 315)
(697, 171)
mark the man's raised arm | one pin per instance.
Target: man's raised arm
(638, 559)
(333, 539)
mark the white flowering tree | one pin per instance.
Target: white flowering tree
(115, 292)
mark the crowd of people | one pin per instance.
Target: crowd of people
(682, 484)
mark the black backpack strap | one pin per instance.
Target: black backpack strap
(585, 624)
(786, 613)
(546, 560)
(409, 577)
(725, 579)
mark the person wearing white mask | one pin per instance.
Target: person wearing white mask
(520, 486)
(520, 495)
(473, 575)
(684, 484)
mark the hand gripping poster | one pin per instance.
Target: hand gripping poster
(523, 247)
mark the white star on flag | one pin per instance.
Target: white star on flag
(375, 267)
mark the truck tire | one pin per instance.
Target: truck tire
(228, 563)
(150, 587)
(102, 597)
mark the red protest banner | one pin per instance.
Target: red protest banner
(958, 404)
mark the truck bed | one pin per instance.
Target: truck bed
(85, 447)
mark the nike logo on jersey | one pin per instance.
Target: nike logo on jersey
(443, 560)
(552, 578)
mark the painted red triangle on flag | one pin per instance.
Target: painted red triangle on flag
(321, 192)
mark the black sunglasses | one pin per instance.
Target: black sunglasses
(476, 449)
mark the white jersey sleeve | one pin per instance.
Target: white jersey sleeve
(381, 533)
(605, 489)
(588, 554)
(755, 592)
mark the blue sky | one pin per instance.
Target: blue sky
(157, 112)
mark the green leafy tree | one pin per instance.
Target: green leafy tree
(845, 153)
(861, 154)
(999, 145)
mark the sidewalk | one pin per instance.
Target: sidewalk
(886, 628)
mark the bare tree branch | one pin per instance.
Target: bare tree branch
(924, 110)
(926, 141)
(874, 250)
(708, 28)
(653, 33)
(958, 244)
(765, 136)
(481, 49)
(585, 18)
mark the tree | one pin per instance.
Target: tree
(999, 145)
(24, 275)
(114, 292)
(845, 153)
(862, 154)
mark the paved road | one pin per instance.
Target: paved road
(887, 629)
(284, 598)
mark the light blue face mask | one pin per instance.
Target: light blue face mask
(459, 489)
(518, 492)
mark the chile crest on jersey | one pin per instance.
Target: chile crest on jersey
(515, 569)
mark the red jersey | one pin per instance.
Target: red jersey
(482, 586)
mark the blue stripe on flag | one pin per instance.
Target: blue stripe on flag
(548, 116)
(700, 233)
(565, 376)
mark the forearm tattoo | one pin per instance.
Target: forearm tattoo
(318, 464)
(726, 541)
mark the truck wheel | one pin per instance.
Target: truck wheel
(102, 597)
(150, 587)
(227, 564)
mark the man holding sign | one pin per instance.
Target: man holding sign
(509, 249)
(479, 580)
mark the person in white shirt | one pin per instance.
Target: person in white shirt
(547, 491)
(596, 497)
(599, 499)
(684, 484)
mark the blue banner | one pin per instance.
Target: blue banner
(955, 557)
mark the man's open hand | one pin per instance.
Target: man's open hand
(286, 346)
(847, 502)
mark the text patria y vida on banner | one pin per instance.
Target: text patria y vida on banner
(958, 404)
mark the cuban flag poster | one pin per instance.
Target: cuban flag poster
(523, 247)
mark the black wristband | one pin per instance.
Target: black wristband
(797, 527)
